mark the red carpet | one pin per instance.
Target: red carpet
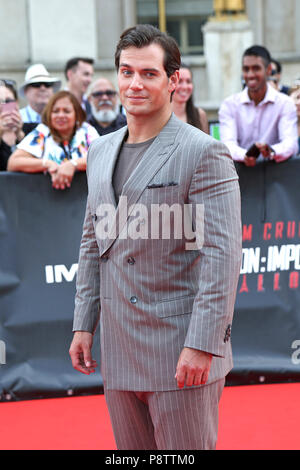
(262, 417)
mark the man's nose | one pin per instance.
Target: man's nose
(250, 73)
(136, 82)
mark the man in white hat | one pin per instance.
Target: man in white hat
(38, 87)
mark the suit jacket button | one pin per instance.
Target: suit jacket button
(227, 334)
(133, 300)
(131, 260)
(104, 259)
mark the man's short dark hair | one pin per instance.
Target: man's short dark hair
(259, 51)
(72, 63)
(143, 35)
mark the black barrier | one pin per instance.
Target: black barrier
(266, 326)
(40, 231)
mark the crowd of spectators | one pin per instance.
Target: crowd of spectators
(59, 144)
(53, 131)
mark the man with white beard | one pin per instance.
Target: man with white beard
(106, 116)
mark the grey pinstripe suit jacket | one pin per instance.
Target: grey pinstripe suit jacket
(154, 297)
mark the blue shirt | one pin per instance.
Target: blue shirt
(30, 115)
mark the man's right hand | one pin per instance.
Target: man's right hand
(81, 352)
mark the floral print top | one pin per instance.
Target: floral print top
(41, 144)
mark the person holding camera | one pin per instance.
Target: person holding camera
(11, 123)
(259, 122)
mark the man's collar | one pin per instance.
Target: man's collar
(269, 97)
(33, 112)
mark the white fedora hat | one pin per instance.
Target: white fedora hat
(38, 73)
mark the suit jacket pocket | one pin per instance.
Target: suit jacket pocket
(162, 185)
(178, 306)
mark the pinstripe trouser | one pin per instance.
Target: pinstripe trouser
(173, 420)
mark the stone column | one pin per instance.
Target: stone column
(14, 25)
(225, 40)
(114, 16)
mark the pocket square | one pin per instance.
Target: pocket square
(162, 185)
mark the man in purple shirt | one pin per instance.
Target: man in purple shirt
(258, 115)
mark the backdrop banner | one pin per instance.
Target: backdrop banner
(266, 326)
(40, 232)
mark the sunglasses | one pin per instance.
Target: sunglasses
(39, 84)
(272, 79)
(8, 100)
(100, 94)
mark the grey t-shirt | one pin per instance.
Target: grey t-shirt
(128, 159)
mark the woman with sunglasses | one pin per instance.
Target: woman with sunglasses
(11, 124)
(59, 144)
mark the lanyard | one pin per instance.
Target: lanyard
(67, 152)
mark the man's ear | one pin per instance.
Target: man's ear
(173, 81)
(69, 74)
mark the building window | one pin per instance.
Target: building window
(184, 21)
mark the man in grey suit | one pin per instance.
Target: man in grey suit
(165, 304)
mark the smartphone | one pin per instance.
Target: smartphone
(8, 107)
(253, 151)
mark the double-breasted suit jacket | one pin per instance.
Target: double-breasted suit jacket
(153, 295)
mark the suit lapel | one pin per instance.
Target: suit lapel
(108, 157)
(154, 158)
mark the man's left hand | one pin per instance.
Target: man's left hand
(193, 367)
